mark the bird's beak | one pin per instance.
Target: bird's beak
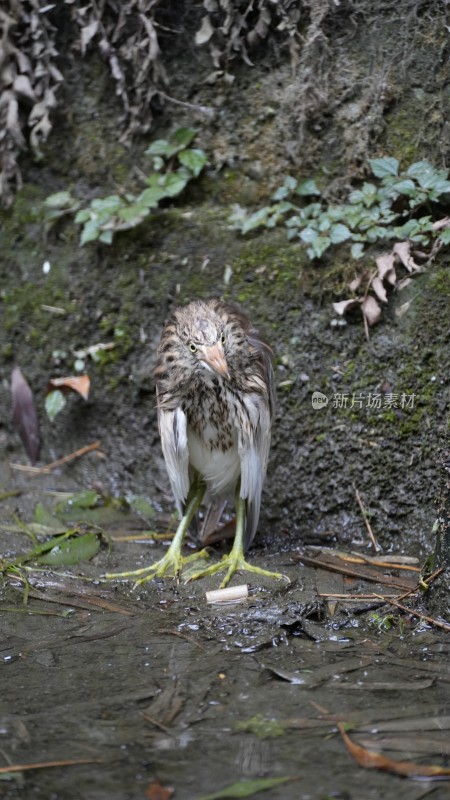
(214, 357)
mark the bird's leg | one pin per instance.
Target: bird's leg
(235, 560)
(172, 563)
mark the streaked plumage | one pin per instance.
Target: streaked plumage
(215, 402)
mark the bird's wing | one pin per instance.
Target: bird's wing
(254, 445)
(173, 431)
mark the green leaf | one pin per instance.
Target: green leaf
(255, 220)
(381, 167)
(245, 788)
(54, 403)
(281, 193)
(405, 186)
(83, 215)
(158, 163)
(90, 232)
(307, 187)
(174, 183)
(194, 160)
(357, 250)
(45, 518)
(161, 147)
(150, 197)
(106, 236)
(424, 173)
(60, 200)
(84, 499)
(110, 204)
(134, 214)
(339, 233)
(445, 236)
(72, 551)
(308, 235)
(319, 246)
(184, 136)
(141, 506)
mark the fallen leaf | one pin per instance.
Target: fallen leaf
(155, 791)
(441, 223)
(403, 251)
(79, 384)
(25, 415)
(369, 760)
(386, 268)
(346, 305)
(371, 310)
(380, 291)
(246, 788)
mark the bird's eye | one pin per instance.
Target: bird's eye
(222, 338)
(192, 347)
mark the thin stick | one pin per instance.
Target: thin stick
(444, 625)
(46, 764)
(353, 597)
(376, 546)
(54, 464)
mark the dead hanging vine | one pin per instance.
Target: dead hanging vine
(38, 40)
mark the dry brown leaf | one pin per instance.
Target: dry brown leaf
(346, 305)
(25, 415)
(369, 760)
(79, 383)
(403, 251)
(155, 791)
(205, 32)
(441, 223)
(386, 268)
(371, 310)
(380, 291)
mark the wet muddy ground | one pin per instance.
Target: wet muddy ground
(160, 690)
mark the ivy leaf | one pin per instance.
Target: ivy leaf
(83, 215)
(308, 235)
(60, 200)
(134, 214)
(54, 403)
(445, 236)
(161, 147)
(255, 220)
(357, 250)
(174, 183)
(184, 136)
(307, 187)
(339, 233)
(90, 232)
(194, 160)
(106, 237)
(150, 197)
(382, 167)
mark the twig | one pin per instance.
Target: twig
(46, 764)
(444, 625)
(376, 546)
(54, 464)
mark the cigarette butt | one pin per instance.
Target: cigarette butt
(229, 595)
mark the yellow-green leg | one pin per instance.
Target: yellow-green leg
(172, 563)
(235, 560)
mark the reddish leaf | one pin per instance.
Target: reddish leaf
(25, 415)
(80, 384)
(369, 760)
(155, 791)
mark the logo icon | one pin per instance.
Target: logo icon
(319, 400)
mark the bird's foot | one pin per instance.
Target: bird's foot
(233, 562)
(170, 566)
